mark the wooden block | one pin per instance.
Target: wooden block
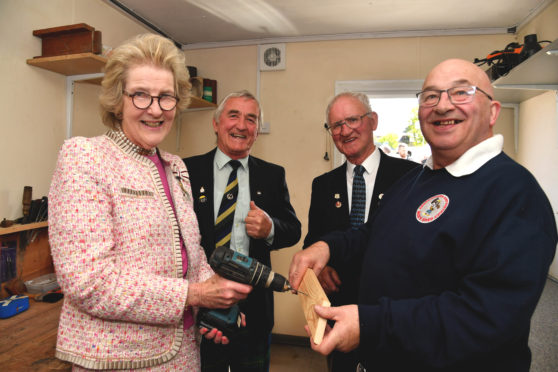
(316, 296)
(72, 39)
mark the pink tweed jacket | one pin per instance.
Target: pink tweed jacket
(116, 249)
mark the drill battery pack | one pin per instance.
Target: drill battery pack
(227, 321)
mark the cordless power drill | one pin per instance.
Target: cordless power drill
(242, 269)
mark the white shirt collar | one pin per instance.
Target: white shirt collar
(371, 163)
(474, 158)
(221, 159)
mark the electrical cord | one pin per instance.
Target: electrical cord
(326, 155)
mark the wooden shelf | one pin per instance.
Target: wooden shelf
(89, 63)
(200, 103)
(17, 228)
(71, 64)
(515, 95)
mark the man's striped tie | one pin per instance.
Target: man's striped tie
(224, 222)
(358, 203)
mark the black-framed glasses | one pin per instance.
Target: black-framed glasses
(352, 122)
(142, 100)
(457, 95)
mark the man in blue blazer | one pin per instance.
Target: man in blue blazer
(351, 122)
(264, 220)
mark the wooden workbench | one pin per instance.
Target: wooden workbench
(33, 251)
(28, 340)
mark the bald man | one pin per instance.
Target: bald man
(456, 257)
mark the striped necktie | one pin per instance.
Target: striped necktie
(224, 222)
(358, 203)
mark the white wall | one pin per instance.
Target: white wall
(538, 143)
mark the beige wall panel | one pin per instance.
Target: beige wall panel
(87, 118)
(33, 102)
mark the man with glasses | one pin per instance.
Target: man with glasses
(335, 201)
(457, 255)
(242, 202)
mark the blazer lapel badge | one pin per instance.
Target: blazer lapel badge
(183, 180)
(202, 197)
(338, 203)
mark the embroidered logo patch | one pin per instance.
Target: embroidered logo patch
(432, 208)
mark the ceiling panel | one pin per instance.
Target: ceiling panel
(198, 22)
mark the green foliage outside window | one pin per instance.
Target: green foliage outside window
(413, 130)
(412, 135)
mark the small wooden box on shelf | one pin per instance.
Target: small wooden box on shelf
(70, 39)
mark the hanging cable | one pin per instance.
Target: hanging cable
(326, 155)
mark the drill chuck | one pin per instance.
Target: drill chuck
(276, 281)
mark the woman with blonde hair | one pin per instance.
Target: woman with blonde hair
(124, 236)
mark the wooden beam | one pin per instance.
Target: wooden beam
(315, 295)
